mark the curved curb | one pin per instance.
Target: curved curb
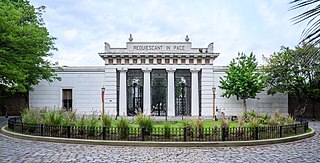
(157, 144)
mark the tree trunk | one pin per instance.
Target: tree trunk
(245, 106)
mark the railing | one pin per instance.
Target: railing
(159, 134)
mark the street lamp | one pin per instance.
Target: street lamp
(102, 99)
(213, 102)
(183, 85)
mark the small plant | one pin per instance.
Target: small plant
(93, 120)
(252, 114)
(240, 122)
(272, 122)
(224, 123)
(106, 120)
(282, 120)
(81, 123)
(254, 122)
(199, 127)
(187, 125)
(30, 116)
(145, 122)
(245, 117)
(290, 120)
(276, 113)
(123, 128)
(68, 118)
(92, 123)
(53, 117)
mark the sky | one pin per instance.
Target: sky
(82, 26)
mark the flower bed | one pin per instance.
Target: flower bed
(186, 133)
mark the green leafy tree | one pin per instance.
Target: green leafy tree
(295, 72)
(243, 79)
(24, 44)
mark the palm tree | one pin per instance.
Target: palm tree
(311, 33)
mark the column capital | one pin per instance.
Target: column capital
(194, 70)
(147, 70)
(123, 69)
(170, 69)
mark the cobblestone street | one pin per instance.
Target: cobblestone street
(16, 150)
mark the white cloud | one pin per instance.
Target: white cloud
(70, 34)
(83, 26)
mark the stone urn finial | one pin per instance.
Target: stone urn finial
(130, 38)
(187, 38)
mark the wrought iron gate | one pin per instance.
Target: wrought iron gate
(159, 92)
(183, 92)
(134, 92)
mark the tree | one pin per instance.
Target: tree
(243, 80)
(24, 44)
(295, 72)
(311, 34)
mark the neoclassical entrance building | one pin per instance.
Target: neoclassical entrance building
(159, 78)
(154, 78)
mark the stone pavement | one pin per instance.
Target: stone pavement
(16, 150)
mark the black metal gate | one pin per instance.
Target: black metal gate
(159, 92)
(134, 92)
(182, 92)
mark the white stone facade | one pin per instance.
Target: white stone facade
(132, 85)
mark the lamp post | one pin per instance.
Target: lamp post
(183, 85)
(213, 103)
(102, 99)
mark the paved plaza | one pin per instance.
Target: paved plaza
(16, 150)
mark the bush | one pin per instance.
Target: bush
(53, 117)
(68, 118)
(123, 128)
(188, 126)
(199, 127)
(30, 116)
(276, 114)
(106, 120)
(145, 122)
(272, 122)
(81, 121)
(282, 120)
(224, 123)
(240, 122)
(254, 122)
(290, 120)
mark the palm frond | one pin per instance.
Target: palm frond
(311, 34)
